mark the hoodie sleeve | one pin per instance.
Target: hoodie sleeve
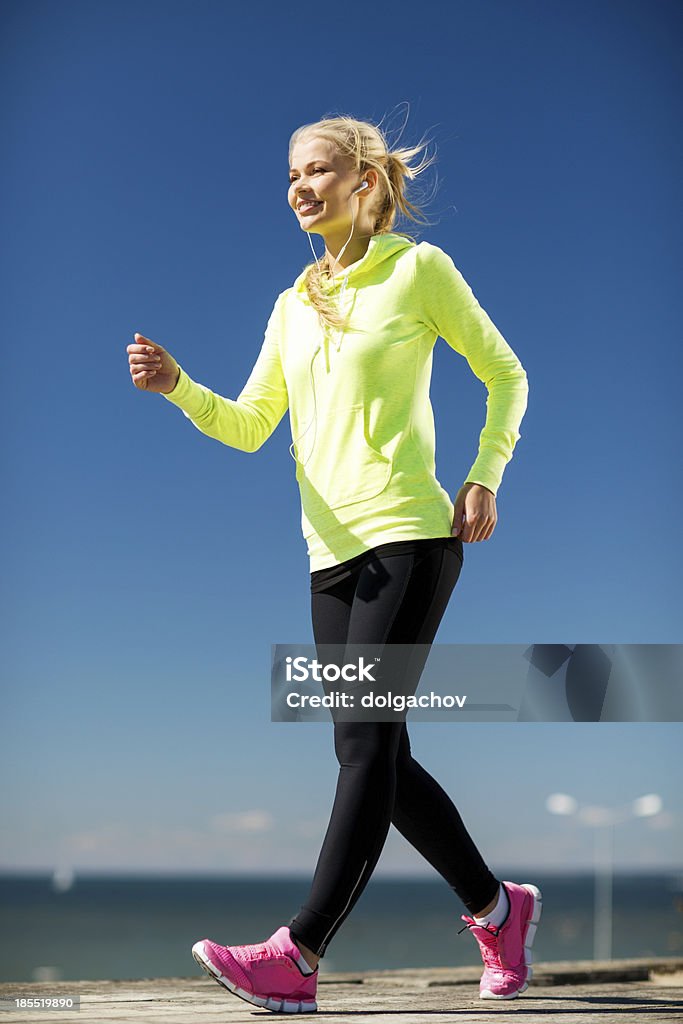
(448, 306)
(247, 421)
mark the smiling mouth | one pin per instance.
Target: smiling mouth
(309, 207)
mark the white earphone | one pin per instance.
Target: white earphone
(360, 188)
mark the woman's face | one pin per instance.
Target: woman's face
(318, 172)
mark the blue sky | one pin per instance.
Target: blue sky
(147, 569)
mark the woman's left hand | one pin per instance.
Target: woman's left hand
(474, 514)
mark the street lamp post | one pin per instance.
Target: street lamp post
(603, 859)
(603, 821)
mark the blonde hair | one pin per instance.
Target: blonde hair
(366, 145)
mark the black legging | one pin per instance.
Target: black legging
(397, 598)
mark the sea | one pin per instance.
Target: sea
(68, 927)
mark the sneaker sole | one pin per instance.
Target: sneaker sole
(270, 1003)
(530, 935)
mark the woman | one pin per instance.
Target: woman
(348, 350)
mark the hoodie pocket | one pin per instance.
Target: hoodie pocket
(344, 467)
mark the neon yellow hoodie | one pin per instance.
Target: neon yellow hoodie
(360, 414)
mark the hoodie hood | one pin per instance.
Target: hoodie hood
(380, 248)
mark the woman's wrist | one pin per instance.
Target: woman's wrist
(175, 384)
(473, 483)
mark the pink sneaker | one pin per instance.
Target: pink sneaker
(506, 951)
(266, 974)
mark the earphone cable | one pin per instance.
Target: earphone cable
(337, 345)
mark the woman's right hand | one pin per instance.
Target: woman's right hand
(152, 368)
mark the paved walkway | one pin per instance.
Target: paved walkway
(571, 993)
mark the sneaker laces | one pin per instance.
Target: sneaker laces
(488, 944)
(257, 951)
